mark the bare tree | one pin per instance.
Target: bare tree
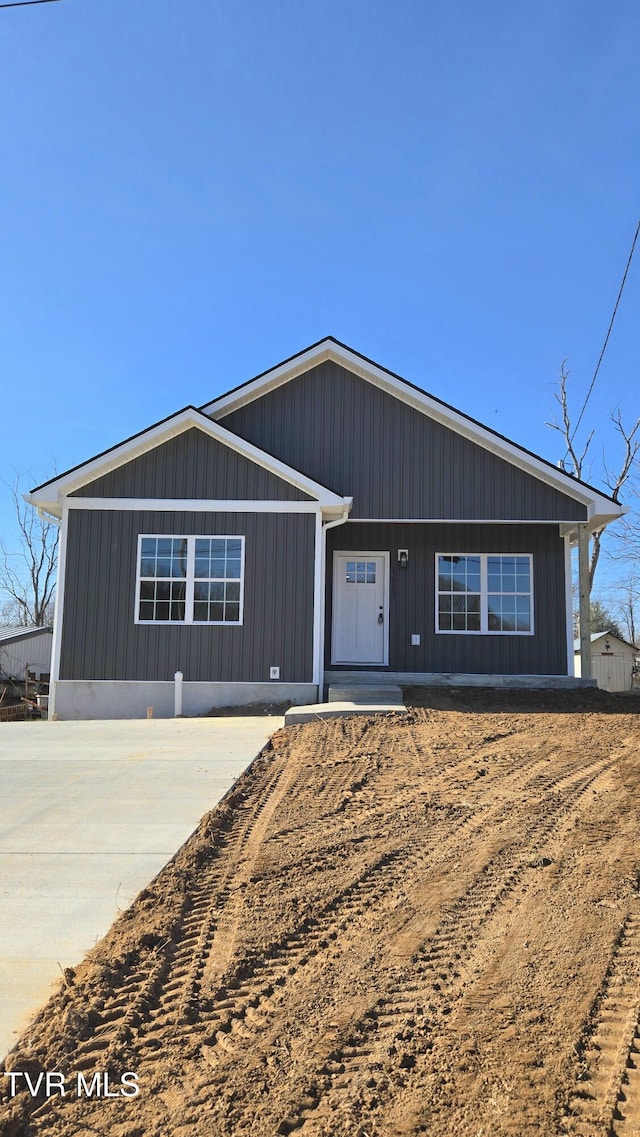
(28, 573)
(626, 595)
(614, 481)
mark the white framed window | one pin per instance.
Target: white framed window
(484, 594)
(189, 580)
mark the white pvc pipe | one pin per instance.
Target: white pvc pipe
(178, 677)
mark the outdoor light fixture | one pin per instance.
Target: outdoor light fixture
(403, 557)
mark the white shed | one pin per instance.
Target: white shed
(611, 661)
(25, 647)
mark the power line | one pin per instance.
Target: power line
(606, 340)
(27, 3)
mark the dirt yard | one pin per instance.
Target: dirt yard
(389, 927)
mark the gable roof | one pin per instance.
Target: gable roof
(601, 508)
(13, 633)
(604, 635)
(49, 495)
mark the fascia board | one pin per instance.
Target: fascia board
(50, 495)
(441, 412)
(269, 380)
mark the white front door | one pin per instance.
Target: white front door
(360, 608)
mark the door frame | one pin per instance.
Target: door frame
(360, 555)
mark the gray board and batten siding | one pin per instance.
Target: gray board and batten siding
(412, 598)
(101, 640)
(396, 462)
(192, 465)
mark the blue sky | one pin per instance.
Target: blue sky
(191, 191)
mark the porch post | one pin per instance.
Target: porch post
(585, 613)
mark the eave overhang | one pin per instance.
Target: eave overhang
(50, 497)
(601, 509)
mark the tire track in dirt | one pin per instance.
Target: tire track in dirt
(168, 993)
(243, 1009)
(172, 975)
(170, 990)
(607, 1095)
(342, 926)
(436, 979)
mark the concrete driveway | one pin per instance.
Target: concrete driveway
(89, 813)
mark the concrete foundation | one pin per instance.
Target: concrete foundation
(432, 679)
(75, 699)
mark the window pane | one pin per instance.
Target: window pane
(523, 614)
(459, 577)
(462, 606)
(444, 569)
(180, 558)
(217, 575)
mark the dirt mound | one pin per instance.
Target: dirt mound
(387, 928)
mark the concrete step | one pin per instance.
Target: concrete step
(364, 693)
(336, 710)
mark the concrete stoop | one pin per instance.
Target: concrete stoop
(351, 699)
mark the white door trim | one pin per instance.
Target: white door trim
(359, 554)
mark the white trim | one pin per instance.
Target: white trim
(49, 495)
(326, 525)
(420, 401)
(189, 621)
(361, 555)
(56, 644)
(198, 505)
(484, 591)
(318, 578)
(461, 521)
(568, 604)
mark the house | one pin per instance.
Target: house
(612, 661)
(23, 649)
(324, 517)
